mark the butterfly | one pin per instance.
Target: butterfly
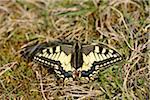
(72, 60)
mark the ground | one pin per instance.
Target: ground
(121, 24)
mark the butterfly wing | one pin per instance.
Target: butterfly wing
(55, 55)
(97, 57)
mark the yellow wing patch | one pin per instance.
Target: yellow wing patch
(65, 61)
(58, 55)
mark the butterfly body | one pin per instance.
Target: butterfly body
(72, 60)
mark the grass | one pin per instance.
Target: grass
(123, 25)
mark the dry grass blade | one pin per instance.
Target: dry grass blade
(122, 25)
(7, 67)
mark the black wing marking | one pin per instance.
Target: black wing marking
(97, 57)
(29, 51)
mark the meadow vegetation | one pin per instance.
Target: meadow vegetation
(121, 24)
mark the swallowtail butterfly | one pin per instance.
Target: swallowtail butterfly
(72, 60)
